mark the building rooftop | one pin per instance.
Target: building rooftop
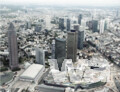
(60, 39)
(32, 71)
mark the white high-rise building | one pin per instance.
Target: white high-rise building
(102, 25)
(83, 22)
(40, 56)
(107, 23)
(48, 21)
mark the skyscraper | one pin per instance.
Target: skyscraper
(48, 22)
(72, 45)
(94, 25)
(28, 25)
(77, 27)
(53, 49)
(40, 56)
(38, 28)
(105, 27)
(13, 49)
(80, 36)
(60, 51)
(61, 24)
(68, 25)
(102, 26)
(80, 39)
(79, 19)
(83, 22)
(117, 13)
(89, 24)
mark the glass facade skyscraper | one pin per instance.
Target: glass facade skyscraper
(72, 38)
(13, 48)
(60, 51)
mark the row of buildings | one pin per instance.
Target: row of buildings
(75, 39)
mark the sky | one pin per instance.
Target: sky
(65, 2)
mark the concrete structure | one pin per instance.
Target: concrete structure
(40, 56)
(4, 53)
(46, 88)
(13, 48)
(72, 45)
(53, 64)
(66, 64)
(60, 51)
(68, 25)
(33, 73)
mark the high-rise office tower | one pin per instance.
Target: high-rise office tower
(68, 25)
(13, 48)
(83, 22)
(80, 39)
(48, 21)
(79, 19)
(102, 26)
(77, 27)
(117, 13)
(28, 25)
(80, 36)
(38, 28)
(53, 49)
(94, 25)
(105, 27)
(61, 24)
(60, 51)
(89, 25)
(40, 56)
(72, 38)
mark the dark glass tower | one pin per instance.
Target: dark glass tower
(94, 25)
(77, 27)
(60, 51)
(80, 36)
(72, 38)
(68, 24)
(61, 24)
(38, 28)
(79, 19)
(80, 39)
(13, 48)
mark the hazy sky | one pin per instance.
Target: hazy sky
(65, 2)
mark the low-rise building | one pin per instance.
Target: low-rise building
(33, 73)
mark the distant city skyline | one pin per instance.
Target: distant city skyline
(65, 2)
